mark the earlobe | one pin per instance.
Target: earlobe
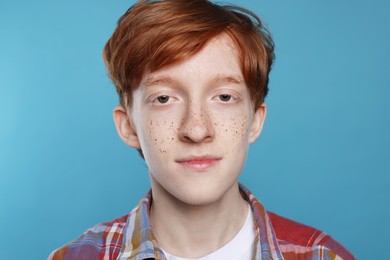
(257, 122)
(125, 128)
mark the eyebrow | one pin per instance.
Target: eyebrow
(222, 78)
(166, 80)
(150, 81)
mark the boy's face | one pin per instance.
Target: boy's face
(194, 122)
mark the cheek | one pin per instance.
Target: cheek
(234, 127)
(157, 136)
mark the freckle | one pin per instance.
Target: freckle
(155, 140)
(151, 122)
(172, 138)
(226, 130)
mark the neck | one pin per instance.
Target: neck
(193, 231)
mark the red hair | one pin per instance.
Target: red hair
(155, 34)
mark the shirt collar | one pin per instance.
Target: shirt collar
(139, 242)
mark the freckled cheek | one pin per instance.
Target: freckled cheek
(158, 134)
(232, 127)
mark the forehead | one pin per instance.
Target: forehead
(217, 61)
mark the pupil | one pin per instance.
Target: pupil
(163, 99)
(224, 97)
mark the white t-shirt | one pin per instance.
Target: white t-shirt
(240, 247)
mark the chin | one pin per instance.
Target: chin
(198, 198)
(196, 195)
(195, 189)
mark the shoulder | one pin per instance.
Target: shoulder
(96, 242)
(298, 239)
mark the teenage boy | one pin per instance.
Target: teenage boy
(192, 77)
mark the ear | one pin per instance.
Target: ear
(257, 122)
(125, 128)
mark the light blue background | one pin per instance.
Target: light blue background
(323, 157)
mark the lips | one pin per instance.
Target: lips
(199, 162)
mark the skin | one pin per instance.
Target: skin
(194, 122)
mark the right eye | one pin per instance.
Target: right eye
(162, 99)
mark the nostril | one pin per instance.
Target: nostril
(196, 124)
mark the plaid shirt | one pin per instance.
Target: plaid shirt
(131, 237)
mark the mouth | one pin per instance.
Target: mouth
(199, 163)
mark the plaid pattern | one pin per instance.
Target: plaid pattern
(131, 237)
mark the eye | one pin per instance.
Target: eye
(225, 97)
(163, 99)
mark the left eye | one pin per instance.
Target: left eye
(225, 97)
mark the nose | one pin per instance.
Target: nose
(196, 126)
